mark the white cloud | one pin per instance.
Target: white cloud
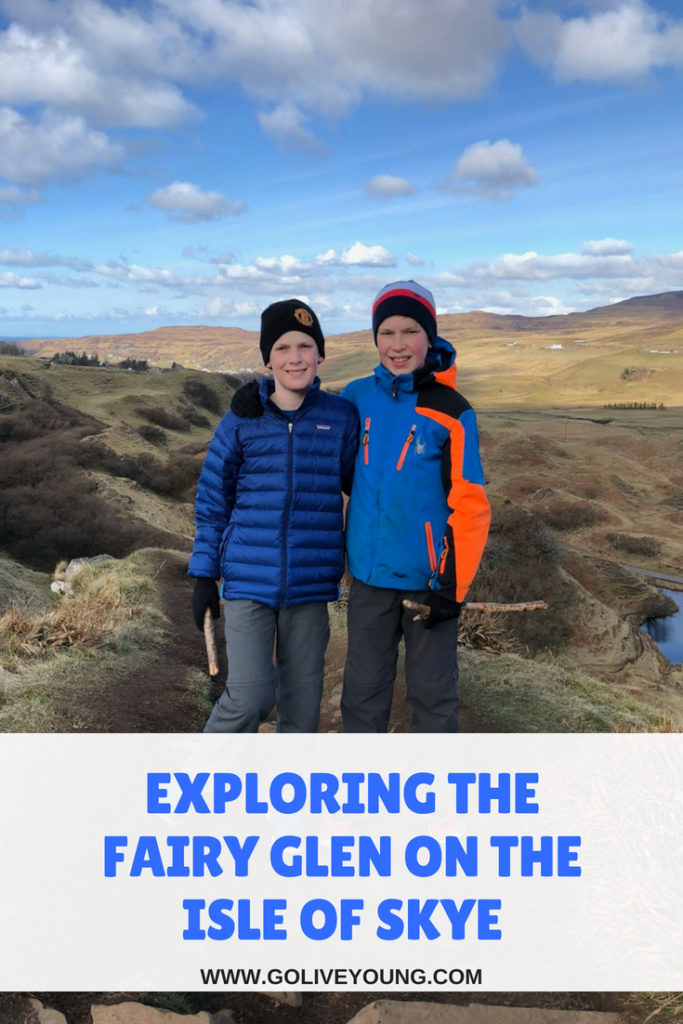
(286, 265)
(359, 255)
(29, 258)
(285, 50)
(496, 170)
(55, 68)
(187, 202)
(56, 146)
(213, 309)
(284, 125)
(623, 42)
(588, 279)
(414, 261)
(386, 186)
(607, 247)
(134, 274)
(240, 272)
(446, 50)
(530, 266)
(11, 280)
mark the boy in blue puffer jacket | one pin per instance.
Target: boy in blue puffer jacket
(269, 522)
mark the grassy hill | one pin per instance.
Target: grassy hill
(103, 460)
(630, 351)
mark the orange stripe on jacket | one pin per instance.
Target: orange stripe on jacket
(467, 527)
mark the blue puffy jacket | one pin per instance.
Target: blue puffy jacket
(269, 509)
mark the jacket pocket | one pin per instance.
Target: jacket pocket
(224, 543)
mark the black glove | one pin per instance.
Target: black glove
(440, 610)
(246, 402)
(205, 595)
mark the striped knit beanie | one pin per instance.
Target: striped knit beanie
(405, 298)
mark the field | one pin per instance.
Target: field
(583, 452)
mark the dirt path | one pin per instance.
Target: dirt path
(158, 699)
(161, 699)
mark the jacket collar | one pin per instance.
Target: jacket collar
(267, 386)
(440, 357)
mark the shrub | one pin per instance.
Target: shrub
(520, 563)
(634, 545)
(569, 515)
(8, 348)
(201, 394)
(164, 418)
(236, 380)
(64, 518)
(138, 365)
(49, 507)
(70, 358)
(38, 417)
(194, 417)
(153, 435)
(172, 477)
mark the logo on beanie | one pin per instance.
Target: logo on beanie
(303, 316)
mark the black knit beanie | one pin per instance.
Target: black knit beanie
(288, 315)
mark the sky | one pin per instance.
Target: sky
(183, 162)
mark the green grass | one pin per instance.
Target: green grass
(22, 586)
(515, 694)
(118, 398)
(510, 693)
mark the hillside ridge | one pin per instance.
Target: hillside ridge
(204, 347)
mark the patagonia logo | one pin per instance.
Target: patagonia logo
(323, 426)
(303, 316)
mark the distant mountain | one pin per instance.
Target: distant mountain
(666, 304)
(231, 348)
(201, 347)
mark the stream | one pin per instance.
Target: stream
(667, 631)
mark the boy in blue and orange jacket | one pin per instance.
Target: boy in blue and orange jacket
(417, 520)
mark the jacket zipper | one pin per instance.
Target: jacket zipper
(444, 556)
(366, 442)
(288, 499)
(406, 445)
(430, 546)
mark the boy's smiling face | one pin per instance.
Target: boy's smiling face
(402, 344)
(294, 360)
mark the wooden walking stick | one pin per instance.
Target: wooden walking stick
(210, 643)
(478, 606)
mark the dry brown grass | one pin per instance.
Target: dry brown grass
(99, 608)
(482, 631)
(658, 1006)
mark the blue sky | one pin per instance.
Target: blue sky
(174, 162)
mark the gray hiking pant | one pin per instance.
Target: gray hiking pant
(376, 622)
(257, 682)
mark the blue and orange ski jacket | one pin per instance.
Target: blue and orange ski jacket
(418, 516)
